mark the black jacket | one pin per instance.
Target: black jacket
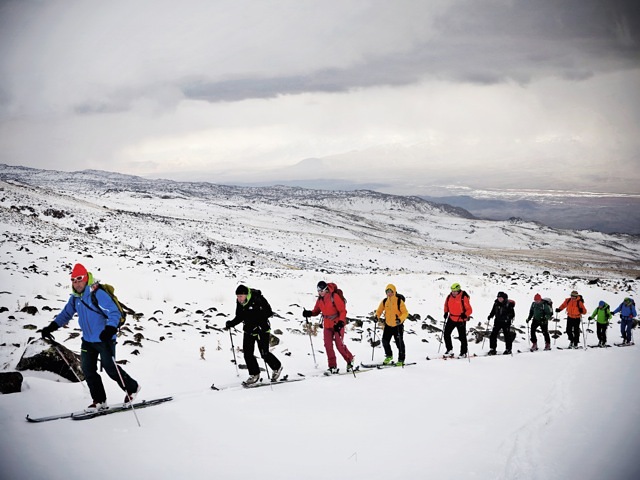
(502, 311)
(255, 314)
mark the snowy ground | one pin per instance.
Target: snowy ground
(546, 415)
(558, 414)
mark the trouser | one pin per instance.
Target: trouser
(573, 330)
(338, 337)
(248, 344)
(601, 331)
(625, 328)
(462, 334)
(397, 333)
(544, 328)
(89, 353)
(505, 327)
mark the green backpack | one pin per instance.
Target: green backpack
(109, 289)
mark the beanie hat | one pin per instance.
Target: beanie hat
(78, 271)
(537, 297)
(502, 295)
(322, 285)
(242, 290)
(601, 303)
(574, 293)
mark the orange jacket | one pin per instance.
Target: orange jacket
(575, 307)
(331, 306)
(458, 306)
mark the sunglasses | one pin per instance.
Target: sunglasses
(320, 290)
(78, 279)
(389, 291)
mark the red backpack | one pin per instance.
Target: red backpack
(336, 291)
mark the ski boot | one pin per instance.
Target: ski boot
(492, 352)
(547, 346)
(534, 347)
(387, 360)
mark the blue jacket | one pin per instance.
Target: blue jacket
(627, 311)
(91, 322)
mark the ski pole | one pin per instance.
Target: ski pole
(373, 342)
(444, 323)
(311, 341)
(233, 350)
(55, 344)
(555, 337)
(484, 337)
(584, 333)
(113, 357)
(528, 336)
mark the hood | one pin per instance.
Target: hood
(390, 287)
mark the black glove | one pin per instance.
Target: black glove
(338, 326)
(107, 334)
(463, 316)
(46, 331)
(446, 315)
(528, 320)
(488, 318)
(557, 310)
(306, 313)
(398, 322)
(228, 325)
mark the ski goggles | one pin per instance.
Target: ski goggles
(79, 278)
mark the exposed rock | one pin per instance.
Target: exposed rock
(42, 357)
(10, 382)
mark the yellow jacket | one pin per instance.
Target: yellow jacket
(389, 305)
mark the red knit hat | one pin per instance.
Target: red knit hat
(79, 271)
(537, 297)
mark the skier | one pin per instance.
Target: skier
(457, 310)
(98, 336)
(334, 316)
(602, 314)
(395, 313)
(575, 309)
(254, 311)
(540, 312)
(504, 313)
(627, 310)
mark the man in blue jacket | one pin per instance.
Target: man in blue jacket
(627, 311)
(99, 328)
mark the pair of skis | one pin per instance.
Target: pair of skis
(86, 415)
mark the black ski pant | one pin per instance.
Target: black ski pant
(397, 333)
(89, 353)
(248, 344)
(573, 330)
(462, 334)
(505, 327)
(544, 328)
(601, 331)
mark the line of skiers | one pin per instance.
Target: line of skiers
(99, 317)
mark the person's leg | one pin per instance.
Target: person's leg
(89, 363)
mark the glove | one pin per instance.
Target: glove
(590, 318)
(463, 317)
(338, 326)
(306, 313)
(107, 334)
(488, 318)
(398, 322)
(557, 310)
(227, 325)
(46, 331)
(446, 315)
(528, 320)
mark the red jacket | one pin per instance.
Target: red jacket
(457, 306)
(331, 306)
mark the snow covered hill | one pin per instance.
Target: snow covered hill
(176, 252)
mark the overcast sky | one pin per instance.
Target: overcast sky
(501, 92)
